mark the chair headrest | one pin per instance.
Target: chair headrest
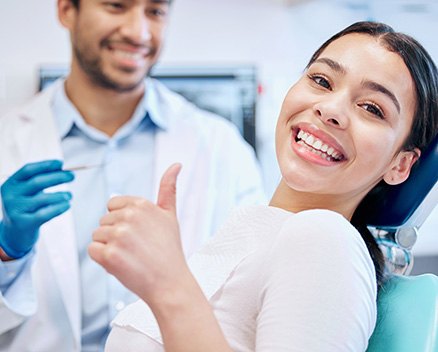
(409, 203)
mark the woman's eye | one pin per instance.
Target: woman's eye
(374, 109)
(321, 81)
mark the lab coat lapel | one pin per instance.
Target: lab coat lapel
(16, 136)
(171, 148)
(58, 238)
(194, 195)
(40, 141)
(176, 142)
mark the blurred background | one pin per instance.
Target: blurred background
(245, 53)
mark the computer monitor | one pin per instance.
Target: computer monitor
(229, 91)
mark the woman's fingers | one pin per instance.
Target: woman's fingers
(137, 235)
(122, 202)
(167, 192)
(101, 234)
(97, 252)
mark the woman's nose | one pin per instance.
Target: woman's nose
(333, 110)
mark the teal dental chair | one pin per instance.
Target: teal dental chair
(407, 318)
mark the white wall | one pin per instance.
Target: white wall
(278, 38)
(29, 36)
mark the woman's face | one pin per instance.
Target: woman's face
(343, 123)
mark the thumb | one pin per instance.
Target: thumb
(167, 192)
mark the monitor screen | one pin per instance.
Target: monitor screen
(229, 91)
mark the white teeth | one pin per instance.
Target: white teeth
(330, 151)
(310, 140)
(318, 146)
(128, 55)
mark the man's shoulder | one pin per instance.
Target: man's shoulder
(32, 106)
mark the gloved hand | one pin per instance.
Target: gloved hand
(26, 206)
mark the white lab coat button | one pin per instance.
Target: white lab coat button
(120, 305)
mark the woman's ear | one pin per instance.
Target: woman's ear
(401, 166)
(66, 13)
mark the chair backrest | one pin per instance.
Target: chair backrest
(407, 314)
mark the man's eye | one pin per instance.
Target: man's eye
(374, 109)
(158, 12)
(112, 5)
(321, 81)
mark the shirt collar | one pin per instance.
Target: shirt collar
(153, 105)
(147, 112)
(65, 112)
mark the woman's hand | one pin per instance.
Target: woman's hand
(139, 242)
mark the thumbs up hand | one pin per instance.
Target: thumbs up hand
(139, 241)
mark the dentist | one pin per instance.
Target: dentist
(109, 115)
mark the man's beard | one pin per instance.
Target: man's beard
(93, 68)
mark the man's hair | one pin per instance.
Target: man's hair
(76, 3)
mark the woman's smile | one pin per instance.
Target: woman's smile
(314, 145)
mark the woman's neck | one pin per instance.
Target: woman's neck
(295, 201)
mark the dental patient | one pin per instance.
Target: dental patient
(302, 273)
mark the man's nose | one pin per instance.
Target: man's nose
(136, 27)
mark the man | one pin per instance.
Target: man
(117, 132)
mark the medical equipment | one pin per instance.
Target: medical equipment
(84, 167)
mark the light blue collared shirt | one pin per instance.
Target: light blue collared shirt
(126, 168)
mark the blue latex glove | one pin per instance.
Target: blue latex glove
(26, 206)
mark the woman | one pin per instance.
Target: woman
(295, 275)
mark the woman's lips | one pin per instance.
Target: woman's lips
(320, 147)
(315, 145)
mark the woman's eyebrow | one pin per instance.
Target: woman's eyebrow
(377, 87)
(335, 66)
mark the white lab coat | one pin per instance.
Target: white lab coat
(219, 172)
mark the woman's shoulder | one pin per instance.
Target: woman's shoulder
(325, 241)
(318, 276)
(248, 224)
(322, 226)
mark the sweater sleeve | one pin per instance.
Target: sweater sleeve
(319, 290)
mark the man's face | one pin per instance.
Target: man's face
(115, 43)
